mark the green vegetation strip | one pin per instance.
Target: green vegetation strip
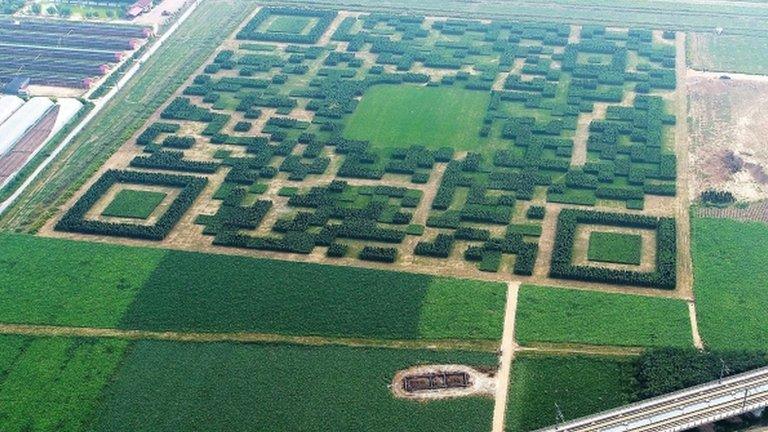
(165, 71)
(60, 282)
(135, 204)
(584, 317)
(615, 247)
(730, 274)
(393, 116)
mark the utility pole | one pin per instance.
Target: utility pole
(559, 417)
(744, 403)
(723, 371)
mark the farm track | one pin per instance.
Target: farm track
(597, 350)
(243, 337)
(508, 348)
(682, 209)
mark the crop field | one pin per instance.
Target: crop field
(615, 248)
(307, 299)
(728, 53)
(129, 203)
(730, 275)
(578, 385)
(164, 386)
(69, 283)
(454, 117)
(556, 315)
(348, 144)
(48, 281)
(53, 384)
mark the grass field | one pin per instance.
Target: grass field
(165, 71)
(728, 53)
(579, 385)
(400, 116)
(53, 384)
(129, 203)
(51, 281)
(615, 248)
(730, 274)
(165, 386)
(584, 317)
(289, 24)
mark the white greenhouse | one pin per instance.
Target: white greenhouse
(9, 105)
(21, 121)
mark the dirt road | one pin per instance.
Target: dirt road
(508, 347)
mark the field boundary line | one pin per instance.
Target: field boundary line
(244, 337)
(97, 107)
(508, 348)
(576, 349)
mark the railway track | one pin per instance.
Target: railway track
(680, 410)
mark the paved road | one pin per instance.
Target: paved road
(681, 410)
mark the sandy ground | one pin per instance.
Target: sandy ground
(729, 139)
(648, 247)
(58, 92)
(697, 341)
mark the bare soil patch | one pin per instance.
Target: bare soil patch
(729, 136)
(433, 382)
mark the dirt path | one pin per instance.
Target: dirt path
(64, 331)
(326, 37)
(733, 76)
(697, 342)
(599, 350)
(579, 157)
(508, 348)
(684, 266)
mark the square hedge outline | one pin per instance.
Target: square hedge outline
(74, 219)
(665, 274)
